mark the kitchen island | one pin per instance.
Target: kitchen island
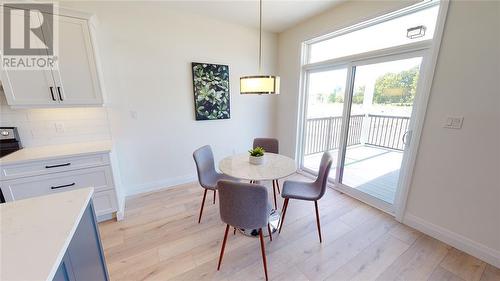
(53, 237)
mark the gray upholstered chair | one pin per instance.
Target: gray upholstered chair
(207, 175)
(310, 191)
(244, 205)
(272, 146)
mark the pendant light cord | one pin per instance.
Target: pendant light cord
(260, 36)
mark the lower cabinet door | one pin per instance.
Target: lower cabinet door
(84, 259)
(65, 270)
(97, 177)
(100, 178)
(105, 202)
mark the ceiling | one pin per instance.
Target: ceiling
(278, 15)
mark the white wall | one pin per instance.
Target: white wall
(455, 191)
(146, 50)
(456, 182)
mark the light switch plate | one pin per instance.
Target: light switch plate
(453, 122)
(59, 127)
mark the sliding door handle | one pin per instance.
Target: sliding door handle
(406, 135)
(52, 93)
(59, 92)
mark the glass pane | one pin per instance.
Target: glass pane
(381, 107)
(325, 103)
(383, 35)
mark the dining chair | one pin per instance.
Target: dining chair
(309, 191)
(272, 146)
(245, 206)
(207, 175)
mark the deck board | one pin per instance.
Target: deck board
(373, 170)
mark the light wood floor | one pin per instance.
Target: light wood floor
(160, 239)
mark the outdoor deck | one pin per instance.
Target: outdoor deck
(373, 170)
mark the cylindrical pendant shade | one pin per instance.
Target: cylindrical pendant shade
(260, 84)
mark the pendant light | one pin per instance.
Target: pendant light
(260, 84)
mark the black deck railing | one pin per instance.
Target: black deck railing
(323, 134)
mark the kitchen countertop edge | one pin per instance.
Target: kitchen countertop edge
(50, 152)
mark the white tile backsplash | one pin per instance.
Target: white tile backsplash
(57, 125)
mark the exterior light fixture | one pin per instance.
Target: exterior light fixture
(260, 84)
(416, 32)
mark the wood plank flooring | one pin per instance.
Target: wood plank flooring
(160, 239)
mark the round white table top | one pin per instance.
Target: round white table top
(275, 166)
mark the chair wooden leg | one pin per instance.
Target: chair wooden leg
(202, 204)
(278, 186)
(263, 250)
(223, 246)
(215, 193)
(270, 232)
(274, 194)
(317, 220)
(285, 205)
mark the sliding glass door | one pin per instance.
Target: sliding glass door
(326, 90)
(362, 115)
(360, 94)
(379, 117)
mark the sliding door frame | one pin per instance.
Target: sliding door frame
(369, 199)
(428, 50)
(303, 117)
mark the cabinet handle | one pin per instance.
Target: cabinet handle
(61, 186)
(59, 165)
(52, 93)
(59, 92)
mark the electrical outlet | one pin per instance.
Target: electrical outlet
(133, 114)
(59, 127)
(453, 122)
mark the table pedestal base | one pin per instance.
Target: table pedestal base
(274, 221)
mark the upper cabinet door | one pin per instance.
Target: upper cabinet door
(76, 78)
(27, 87)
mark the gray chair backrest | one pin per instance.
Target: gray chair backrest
(323, 172)
(270, 145)
(204, 159)
(243, 205)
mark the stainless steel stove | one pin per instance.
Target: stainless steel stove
(9, 141)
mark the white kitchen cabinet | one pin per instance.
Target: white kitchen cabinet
(38, 171)
(105, 202)
(76, 77)
(27, 88)
(100, 178)
(73, 82)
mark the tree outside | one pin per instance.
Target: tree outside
(397, 88)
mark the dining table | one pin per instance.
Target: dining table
(274, 167)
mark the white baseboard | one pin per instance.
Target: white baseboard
(158, 185)
(456, 240)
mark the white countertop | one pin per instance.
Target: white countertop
(55, 151)
(35, 233)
